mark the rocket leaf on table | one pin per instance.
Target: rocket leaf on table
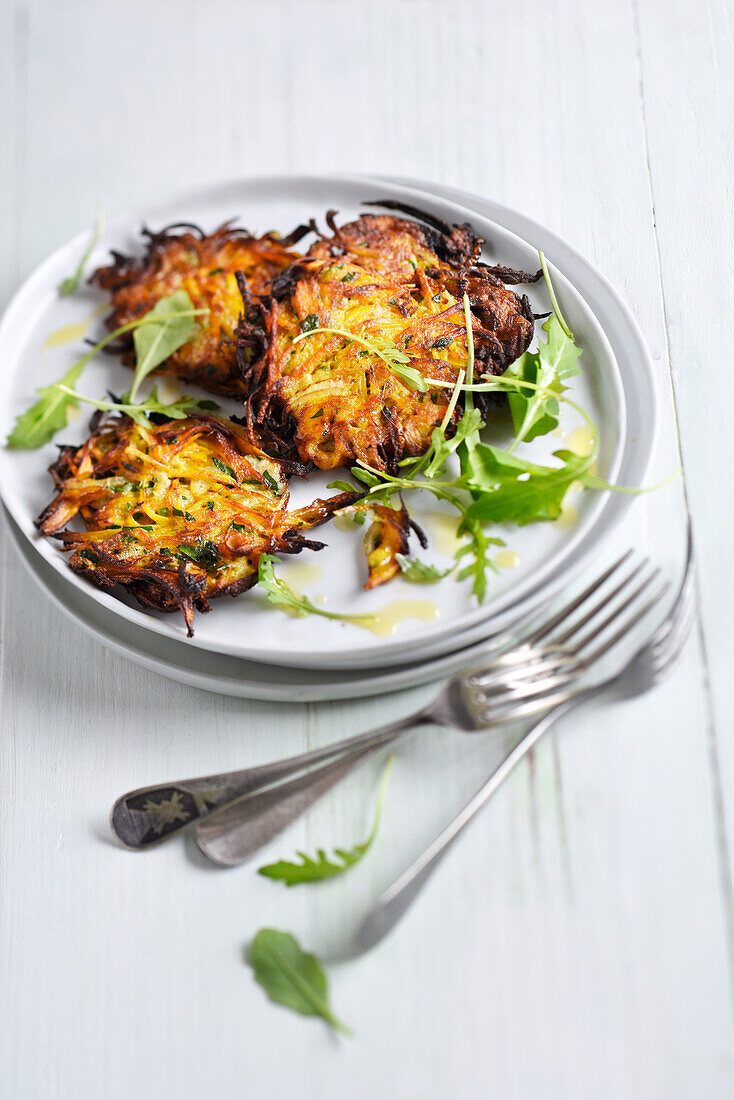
(323, 867)
(290, 976)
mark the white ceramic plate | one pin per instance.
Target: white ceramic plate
(179, 661)
(232, 627)
(218, 672)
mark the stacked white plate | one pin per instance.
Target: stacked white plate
(247, 647)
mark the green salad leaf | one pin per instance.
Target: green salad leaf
(280, 594)
(68, 285)
(170, 324)
(50, 413)
(140, 411)
(322, 867)
(535, 411)
(419, 572)
(508, 489)
(38, 424)
(290, 976)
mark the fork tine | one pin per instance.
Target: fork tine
(509, 693)
(533, 667)
(605, 602)
(604, 648)
(614, 614)
(574, 605)
(516, 711)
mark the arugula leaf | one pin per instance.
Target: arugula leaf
(139, 412)
(509, 489)
(466, 430)
(477, 550)
(38, 424)
(49, 415)
(343, 486)
(68, 285)
(290, 976)
(316, 870)
(535, 413)
(418, 572)
(281, 595)
(552, 295)
(382, 347)
(170, 325)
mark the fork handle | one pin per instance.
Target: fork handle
(150, 815)
(391, 905)
(232, 835)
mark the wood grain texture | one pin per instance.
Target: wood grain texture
(578, 941)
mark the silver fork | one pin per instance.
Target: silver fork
(523, 671)
(532, 677)
(649, 665)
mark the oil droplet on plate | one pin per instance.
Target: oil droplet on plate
(568, 517)
(507, 559)
(169, 390)
(68, 334)
(386, 621)
(301, 574)
(442, 527)
(345, 523)
(581, 441)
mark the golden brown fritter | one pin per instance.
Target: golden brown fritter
(388, 281)
(205, 267)
(177, 513)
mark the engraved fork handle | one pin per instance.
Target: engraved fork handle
(150, 815)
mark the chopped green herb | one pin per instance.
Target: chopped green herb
(224, 468)
(308, 324)
(203, 553)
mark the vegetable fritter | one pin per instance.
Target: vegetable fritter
(205, 267)
(177, 513)
(388, 285)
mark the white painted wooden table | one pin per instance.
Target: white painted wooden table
(578, 942)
